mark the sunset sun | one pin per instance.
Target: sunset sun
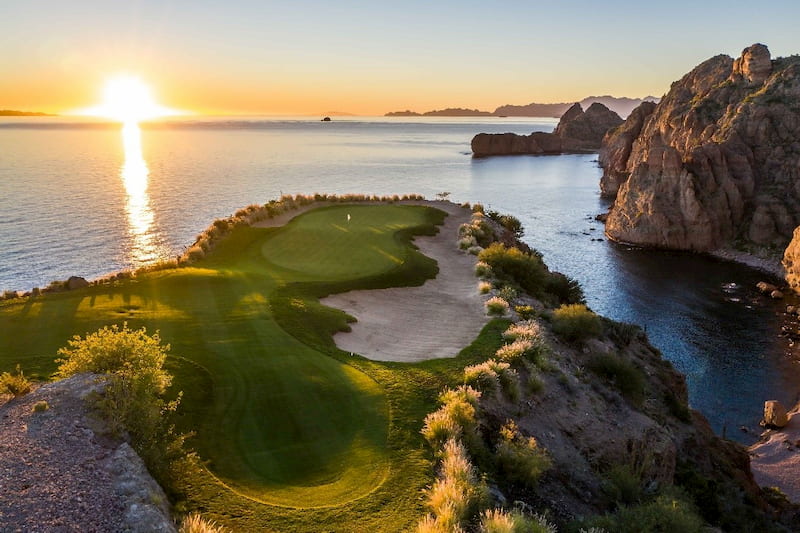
(129, 99)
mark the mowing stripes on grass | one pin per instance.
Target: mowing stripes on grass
(277, 420)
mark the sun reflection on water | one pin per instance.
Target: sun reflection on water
(146, 244)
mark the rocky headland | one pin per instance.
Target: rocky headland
(715, 164)
(577, 131)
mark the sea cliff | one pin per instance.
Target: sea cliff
(715, 164)
(577, 131)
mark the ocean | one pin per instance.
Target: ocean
(86, 198)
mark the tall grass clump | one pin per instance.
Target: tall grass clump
(500, 521)
(456, 418)
(484, 287)
(515, 267)
(575, 322)
(520, 459)
(15, 384)
(457, 494)
(492, 376)
(482, 269)
(194, 523)
(477, 229)
(496, 306)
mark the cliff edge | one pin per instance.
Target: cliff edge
(715, 163)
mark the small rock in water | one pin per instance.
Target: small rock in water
(776, 294)
(765, 287)
(790, 309)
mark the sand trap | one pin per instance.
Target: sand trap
(775, 461)
(412, 324)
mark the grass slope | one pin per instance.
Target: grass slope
(281, 415)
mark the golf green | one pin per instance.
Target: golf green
(276, 419)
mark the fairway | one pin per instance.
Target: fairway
(276, 419)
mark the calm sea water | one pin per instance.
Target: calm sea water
(82, 198)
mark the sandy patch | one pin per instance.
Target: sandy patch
(412, 324)
(775, 460)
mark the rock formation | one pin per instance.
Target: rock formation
(716, 162)
(577, 131)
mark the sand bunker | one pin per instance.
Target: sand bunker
(412, 324)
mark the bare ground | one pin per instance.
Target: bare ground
(412, 324)
(775, 459)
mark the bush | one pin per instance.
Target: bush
(565, 289)
(491, 375)
(15, 384)
(525, 312)
(40, 407)
(622, 486)
(516, 267)
(575, 322)
(624, 376)
(508, 293)
(671, 511)
(500, 521)
(519, 458)
(496, 306)
(194, 523)
(484, 287)
(482, 270)
(132, 401)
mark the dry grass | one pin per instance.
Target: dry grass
(194, 523)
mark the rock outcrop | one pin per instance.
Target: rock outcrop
(577, 131)
(61, 471)
(717, 161)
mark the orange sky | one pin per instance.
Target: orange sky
(366, 58)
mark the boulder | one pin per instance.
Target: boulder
(775, 415)
(765, 287)
(754, 65)
(776, 295)
(76, 282)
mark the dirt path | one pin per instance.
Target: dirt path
(775, 460)
(412, 324)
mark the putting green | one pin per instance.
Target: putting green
(277, 420)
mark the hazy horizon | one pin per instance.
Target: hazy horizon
(247, 57)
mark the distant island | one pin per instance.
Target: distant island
(623, 106)
(13, 113)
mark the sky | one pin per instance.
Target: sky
(369, 57)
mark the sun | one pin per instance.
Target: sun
(128, 99)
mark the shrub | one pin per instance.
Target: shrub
(575, 322)
(508, 293)
(15, 384)
(484, 287)
(519, 458)
(670, 511)
(482, 270)
(625, 377)
(194, 523)
(474, 250)
(465, 243)
(132, 401)
(514, 266)
(496, 306)
(525, 312)
(500, 521)
(40, 407)
(622, 486)
(566, 289)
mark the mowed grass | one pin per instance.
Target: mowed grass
(295, 432)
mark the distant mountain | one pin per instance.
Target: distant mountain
(620, 105)
(405, 113)
(12, 113)
(457, 112)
